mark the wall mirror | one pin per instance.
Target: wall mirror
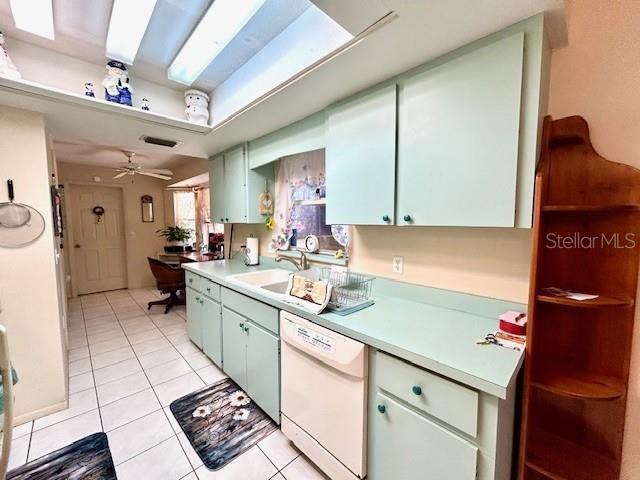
(147, 208)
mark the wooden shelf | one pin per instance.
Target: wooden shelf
(623, 208)
(600, 302)
(560, 459)
(580, 385)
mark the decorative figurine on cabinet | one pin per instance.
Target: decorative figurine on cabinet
(145, 105)
(116, 84)
(7, 67)
(88, 90)
(197, 103)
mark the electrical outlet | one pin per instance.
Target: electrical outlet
(398, 265)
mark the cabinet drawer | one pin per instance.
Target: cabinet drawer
(405, 445)
(446, 400)
(192, 280)
(210, 289)
(257, 312)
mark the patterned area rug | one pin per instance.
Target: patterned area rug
(86, 459)
(221, 422)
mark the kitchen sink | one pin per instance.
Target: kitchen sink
(264, 277)
(280, 287)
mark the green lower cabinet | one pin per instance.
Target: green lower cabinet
(194, 316)
(234, 346)
(252, 359)
(404, 445)
(211, 319)
(263, 369)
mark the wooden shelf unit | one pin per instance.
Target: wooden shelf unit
(600, 302)
(586, 239)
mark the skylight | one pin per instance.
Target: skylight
(128, 23)
(34, 16)
(221, 23)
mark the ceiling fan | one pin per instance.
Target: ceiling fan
(131, 168)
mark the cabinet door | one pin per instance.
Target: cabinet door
(458, 132)
(404, 445)
(194, 316)
(216, 183)
(361, 160)
(211, 318)
(234, 346)
(263, 370)
(235, 177)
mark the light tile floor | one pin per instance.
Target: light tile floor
(126, 365)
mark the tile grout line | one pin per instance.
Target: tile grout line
(95, 387)
(158, 398)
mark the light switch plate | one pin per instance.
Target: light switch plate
(398, 265)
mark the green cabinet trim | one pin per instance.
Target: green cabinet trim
(361, 159)
(302, 136)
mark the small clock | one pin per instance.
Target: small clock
(311, 244)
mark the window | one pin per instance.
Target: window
(184, 208)
(300, 207)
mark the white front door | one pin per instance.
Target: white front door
(98, 241)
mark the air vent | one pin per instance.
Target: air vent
(159, 141)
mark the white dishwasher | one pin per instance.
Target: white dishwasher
(324, 396)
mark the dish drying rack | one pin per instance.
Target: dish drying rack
(351, 291)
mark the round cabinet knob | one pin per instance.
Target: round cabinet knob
(246, 329)
(208, 289)
(416, 389)
(241, 325)
(202, 301)
(407, 218)
(191, 280)
(226, 219)
(197, 299)
(385, 218)
(382, 408)
(221, 219)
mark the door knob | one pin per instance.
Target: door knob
(77, 245)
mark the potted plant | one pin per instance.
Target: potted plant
(176, 237)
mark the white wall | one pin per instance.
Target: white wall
(141, 239)
(28, 288)
(57, 70)
(310, 37)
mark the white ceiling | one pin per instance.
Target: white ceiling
(88, 153)
(423, 30)
(81, 32)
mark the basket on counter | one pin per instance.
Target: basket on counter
(351, 290)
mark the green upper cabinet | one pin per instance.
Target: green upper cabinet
(235, 178)
(235, 188)
(458, 139)
(216, 181)
(361, 158)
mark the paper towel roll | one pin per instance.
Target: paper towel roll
(253, 251)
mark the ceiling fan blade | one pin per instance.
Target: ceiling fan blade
(160, 171)
(155, 175)
(120, 175)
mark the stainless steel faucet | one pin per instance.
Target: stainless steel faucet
(302, 264)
